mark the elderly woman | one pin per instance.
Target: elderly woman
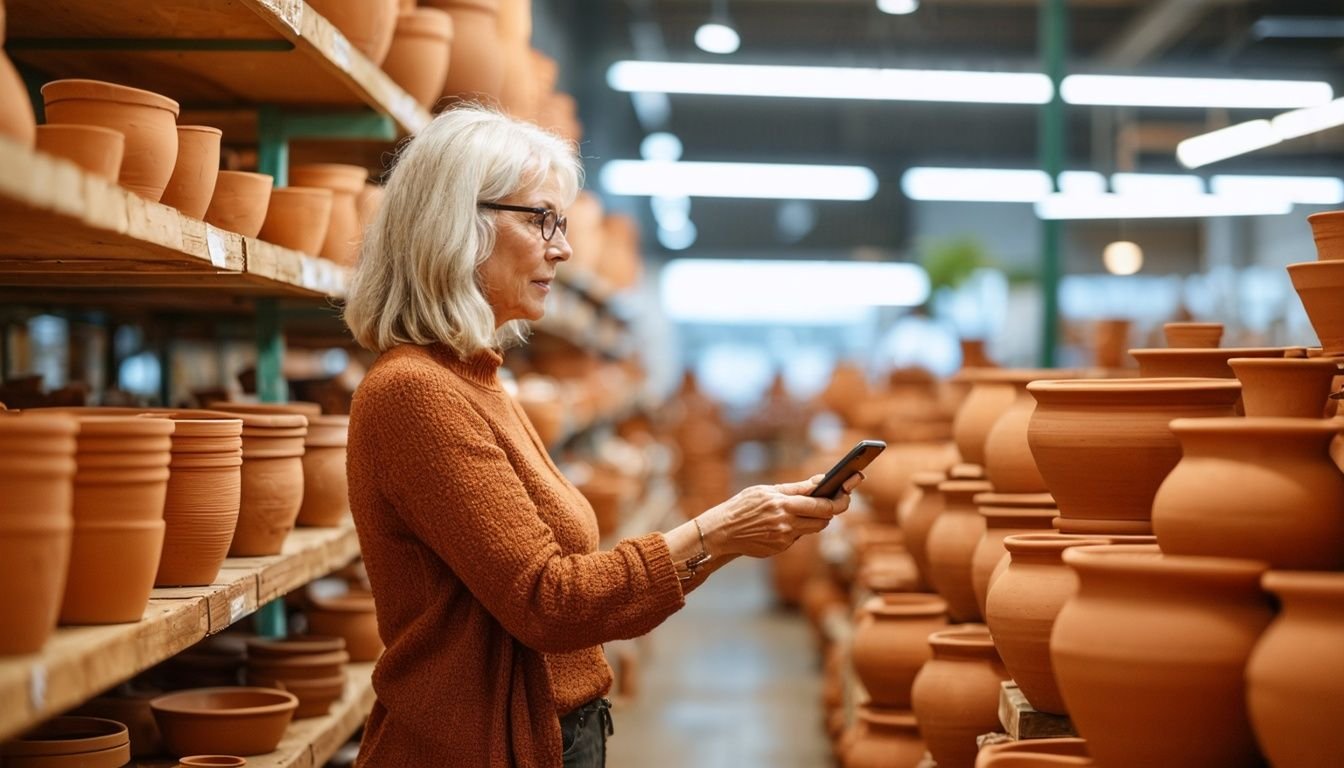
(492, 598)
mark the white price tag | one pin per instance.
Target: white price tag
(217, 246)
(237, 608)
(309, 268)
(37, 686)
(340, 51)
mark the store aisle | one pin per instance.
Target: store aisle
(729, 682)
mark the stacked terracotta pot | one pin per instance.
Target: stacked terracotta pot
(350, 617)
(272, 477)
(203, 497)
(310, 667)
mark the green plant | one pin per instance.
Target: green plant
(950, 261)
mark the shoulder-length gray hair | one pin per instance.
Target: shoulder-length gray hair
(416, 279)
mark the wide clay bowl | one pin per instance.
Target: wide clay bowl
(1320, 286)
(226, 721)
(69, 736)
(212, 761)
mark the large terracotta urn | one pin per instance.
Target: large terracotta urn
(951, 544)
(884, 738)
(1151, 652)
(1022, 606)
(891, 643)
(1104, 445)
(1196, 363)
(1295, 678)
(956, 694)
(341, 243)
(16, 111)
(1193, 335)
(918, 516)
(476, 68)
(991, 392)
(1256, 488)
(1005, 514)
(1319, 285)
(1294, 387)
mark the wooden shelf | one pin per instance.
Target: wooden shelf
(65, 228)
(209, 53)
(80, 662)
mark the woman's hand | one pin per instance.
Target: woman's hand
(765, 519)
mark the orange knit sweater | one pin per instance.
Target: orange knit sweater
(491, 598)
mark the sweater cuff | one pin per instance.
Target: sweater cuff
(664, 586)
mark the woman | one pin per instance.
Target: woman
(492, 599)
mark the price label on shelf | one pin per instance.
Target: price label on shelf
(217, 246)
(308, 275)
(237, 608)
(340, 50)
(37, 686)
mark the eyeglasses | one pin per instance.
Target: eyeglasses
(550, 220)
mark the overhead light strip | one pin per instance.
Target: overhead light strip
(1243, 138)
(747, 180)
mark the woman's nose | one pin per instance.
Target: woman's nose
(558, 248)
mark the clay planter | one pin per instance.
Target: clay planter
(884, 738)
(1154, 641)
(891, 643)
(1193, 335)
(212, 761)
(1290, 387)
(1103, 445)
(240, 201)
(70, 742)
(1009, 465)
(193, 181)
(951, 543)
(917, 518)
(345, 182)
(1021, 609)
(1005, 515)
(204, 496)
(130, 707)
(298, 666)
(418, 59)
(147, 120)
(367, 24)
(476, 69)
(1262, 489)
(956, 695)
(1034, 753)
(326, 500)
(350, 617)
(37, 466)
(1196, 363)
(1319, 284)
(1295, 679)
(230, 721)
(1327, 229)
(94, 148)
(987, 400)
(272, 483)
(315, 696)
(890, 476)
(297, 218)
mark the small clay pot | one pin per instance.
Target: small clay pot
(297, 218)
(476, 66)
(1318, 285)
(94, 148)
(421, 48)
(1193, 335)
(326, 501)
(884, 738)
(992, 391)
(211, 761)
(315, 695)
(1035, 753)
(146, 119)
(130, 707)
(112, 569)
(228, 721)
(1327, 229)
(240, 201)
(1005, 514)
(367, 24)
(1196, 363)
(197, 168)
(956, 694)
(951, 544)
(67, 742)
(351, 617)
(1289, 387)
(917, 518)
(891, 643)
(1009, 465)
(345, 182)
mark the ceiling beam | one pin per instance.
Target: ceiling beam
(1155, 29)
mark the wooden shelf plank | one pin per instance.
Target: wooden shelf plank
(80, 662)
(208, 53)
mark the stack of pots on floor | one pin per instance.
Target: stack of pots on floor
(310, 667)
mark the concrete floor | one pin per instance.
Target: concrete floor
(729, 682)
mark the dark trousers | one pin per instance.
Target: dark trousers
(584, 732)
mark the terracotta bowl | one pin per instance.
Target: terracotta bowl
(313, 666)
(227, 721)
(240, 201)
(268, 409)
(298, 645)
(89, 742)
(211, 761)
(94, 148)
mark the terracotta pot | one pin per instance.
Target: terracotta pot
(299, 666)
(1261, 489)
(37, 466)
(1009, 465)
(231, 721)
(147, 120)
(70, 742)
(992, 391)
(112, 568)
(919, 518)
(325, 494)
(297, 218)
(1319, 285)
(956, 695)
(212, 761)
(891, 643)
(951, 543)
(885, 738)
(1295, 678)
(94, 148)
(1327, 229)
(1152, 640)
(1103, 445)
(272, 483)
(1034, 753)
(16, 111)
(1021, 609)
(1196, 363)
(1289, 387)
(418, 59)
(345, 182)
(295, 645)
(239, 202)
(350, 617)
(130, 708)
(476, 70)
(193, 180)
(315, 696)
(1193, 335)
(1005, 514)
(203, 498)
(519, 93)
(367, 24)
(1110, 339)
(299, 407)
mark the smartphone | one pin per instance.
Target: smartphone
(861, 456)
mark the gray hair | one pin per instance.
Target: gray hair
(416, 278)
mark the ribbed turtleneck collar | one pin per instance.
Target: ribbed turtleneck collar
(481, 368)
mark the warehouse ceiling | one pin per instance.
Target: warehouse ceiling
(1288, 39)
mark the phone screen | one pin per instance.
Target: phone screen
(859, 457)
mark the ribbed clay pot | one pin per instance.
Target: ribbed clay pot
(351, 617)
(367, 24)
(1104, 445)
(326, 501)
(272, 483)
(1319, 285)
(1291, 387)
(476, 69)
(891, 644)
(1193, 335)
(918, 518)
(1035, 753)
(1295, 678)
(345, 182)
(1151, 652)
(884, 738)
(1005, 514)
(94, 148)
(239, 202)
(204, 495)
(1021, 610)
(1009, 465)
(1262, 489)
(297, 218)
(197, 168)
(1327, 229)
(70, 742)
(418, 59)
(147, 120)
(951, 543)
(956, 694)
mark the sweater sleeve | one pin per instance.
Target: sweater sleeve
(444, 472)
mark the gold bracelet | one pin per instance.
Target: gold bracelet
(698, 560)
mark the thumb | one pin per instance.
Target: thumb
(801, 488)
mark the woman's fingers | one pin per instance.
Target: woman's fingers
(801, 488)
(853, 481)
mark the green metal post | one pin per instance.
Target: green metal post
(1054, 41)
(272, 145)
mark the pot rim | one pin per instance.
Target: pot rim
(326, 658)
(963, 636)
(302, 191)
(107, 734)
(44, 425)
(1145, 389)
(317, 685)
(1048, 543)
(1304, 583)
(347, 603)
(1150, 559)
(85, 89)
(1214, 353)
(212, 761)
(897, 718)
(906, 604)
(295, 645)
(249, 175)
(1023, 501)
(200, 129)
(1256, 425)
(170, 703)
(965, 486)
(1322, 364)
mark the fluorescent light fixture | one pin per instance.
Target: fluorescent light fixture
(979, 184)
(753, 180)
(831, 82)
(1226, 142)
(671, 212)
(1082, 183)
(1163, 185)
(660, 145)
(1206, 92)
(1066, 207)
(717, 38)
(727, 290)
(1300, 122)
(898, 7)
(1122, 258)
(1304, 190)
